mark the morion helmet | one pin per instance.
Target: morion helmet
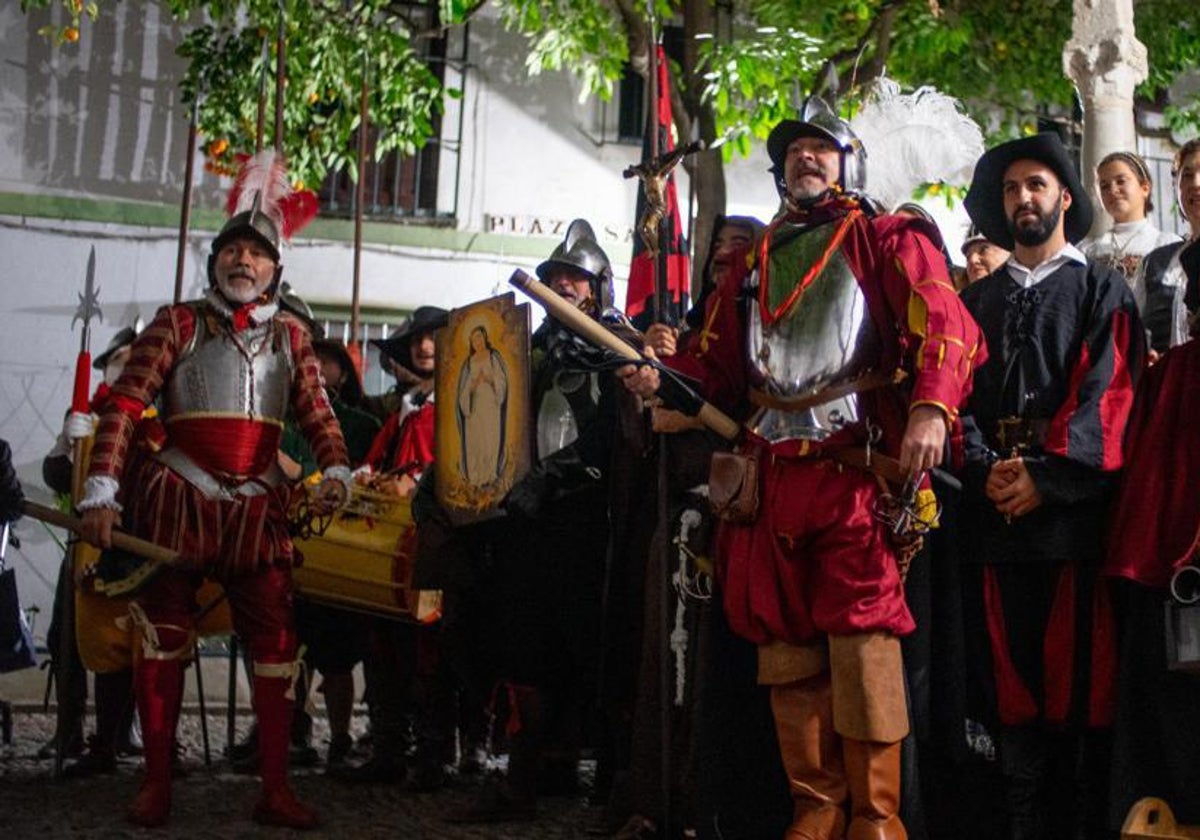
(817, 119)
(579, 250)
(263, 206)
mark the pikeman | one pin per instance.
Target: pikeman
(228, 368)
(855, 353)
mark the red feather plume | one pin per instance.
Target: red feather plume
(265, 177)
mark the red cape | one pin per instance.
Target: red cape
(1156, 521)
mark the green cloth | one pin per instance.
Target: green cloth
(358, 429)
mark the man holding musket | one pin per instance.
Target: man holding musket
(848, 354)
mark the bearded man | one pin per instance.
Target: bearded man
(846, 348)
(228, 368)
(1044, 444)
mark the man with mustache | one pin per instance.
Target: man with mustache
(228, 369)
(1044, 431)
(845, 350)
(548, 554)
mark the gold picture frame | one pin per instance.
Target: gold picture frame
(483, 443)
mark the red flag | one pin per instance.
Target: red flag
(639, 298)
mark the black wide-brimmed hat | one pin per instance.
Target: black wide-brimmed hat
(424, 319)
(351, 391)
(985, 199)
(123, 338)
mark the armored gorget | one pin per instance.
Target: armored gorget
(810, 337)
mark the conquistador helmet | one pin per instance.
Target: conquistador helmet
(579, 250)
(817, 119)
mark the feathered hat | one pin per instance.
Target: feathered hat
(914, 138)
(263, 205)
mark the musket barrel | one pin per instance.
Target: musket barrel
(594, 332)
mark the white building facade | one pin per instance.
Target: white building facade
(94, 140)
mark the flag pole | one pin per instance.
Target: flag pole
(360, 197)
(652, 128)
(662, 494)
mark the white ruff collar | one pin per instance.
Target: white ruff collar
(259, 314)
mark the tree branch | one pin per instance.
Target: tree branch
(420, 32)
(879, 30)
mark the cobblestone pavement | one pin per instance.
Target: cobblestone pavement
(212, 802)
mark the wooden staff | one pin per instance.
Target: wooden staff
(260, 122)
(120, 539)
(185, 205)
(595, 333)
(280, 67)
(89, 308)
(360, 197)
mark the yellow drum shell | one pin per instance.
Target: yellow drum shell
(364, 560)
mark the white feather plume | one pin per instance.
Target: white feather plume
(263, 177)
(913, 139)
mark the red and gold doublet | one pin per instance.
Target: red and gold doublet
(816, 560)
(241, 528)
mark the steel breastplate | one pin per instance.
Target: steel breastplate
(826, 339)
(247, 375)
(224, 407)
(557, 424)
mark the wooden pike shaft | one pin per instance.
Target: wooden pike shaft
(121, 540)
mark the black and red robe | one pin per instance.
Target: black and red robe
(1065, 356)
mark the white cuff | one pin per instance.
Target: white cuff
(100, 491)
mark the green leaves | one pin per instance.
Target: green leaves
(330, 46)
(584, 36)
(752, 81)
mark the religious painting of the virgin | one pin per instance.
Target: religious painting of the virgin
(482, 440)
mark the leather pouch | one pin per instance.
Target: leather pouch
(733, 486)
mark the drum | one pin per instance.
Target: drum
(364, 560)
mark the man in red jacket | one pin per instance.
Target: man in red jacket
(228, 369)
(846, 347)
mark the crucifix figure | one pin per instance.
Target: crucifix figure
(653, 174)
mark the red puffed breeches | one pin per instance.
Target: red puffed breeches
(816, 561)
(261, 604)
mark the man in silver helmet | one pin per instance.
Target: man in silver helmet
(847, 353)
(228, 368)
(549, 558)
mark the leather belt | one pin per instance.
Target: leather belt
(884, 466)
(210, 485)
(867, 382)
